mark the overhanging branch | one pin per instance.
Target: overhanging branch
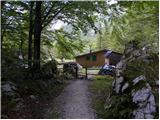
(47, 14)
(54, 16)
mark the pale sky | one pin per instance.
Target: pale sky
(58, 25)
(110, 2)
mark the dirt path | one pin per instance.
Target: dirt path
(75, 101)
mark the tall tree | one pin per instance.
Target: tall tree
(30, 35)
(77, 14)
(81, 16)
(131, 21)
(37, 35)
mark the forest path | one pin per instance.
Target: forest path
(75, 101)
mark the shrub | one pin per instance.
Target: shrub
(107, 104)
(102, 89)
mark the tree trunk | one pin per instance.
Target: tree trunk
(21, 51)
(30, 35)
(37, 35)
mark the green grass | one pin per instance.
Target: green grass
(101, 87)
(101, 83)
(107, 104)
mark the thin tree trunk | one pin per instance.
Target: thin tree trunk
(21, 46)
(30, 35)
(37, 35)
(2, 31)
(21, 50)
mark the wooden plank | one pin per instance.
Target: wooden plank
(76, 72)
(94, 68)
(91, 74)
(86, 73)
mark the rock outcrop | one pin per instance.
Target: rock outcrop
(11, 97)
(136, 77)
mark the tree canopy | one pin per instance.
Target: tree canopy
(82, 25)
(39, 37)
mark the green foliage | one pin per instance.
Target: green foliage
(49, 70)
(66, 45)
(12, 67)
(118, 23)
(107, 78)
(40, 88)
(80, 16)
(22, 103)
(101, 86)
(121, 108)
(115, 24)
(67, 76)
(133, 20)
(152, 69)
(134, 69)
(107, 104)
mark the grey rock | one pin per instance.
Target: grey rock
(136, 53)
(125, 86)
(118, 82)
(32, 97)
(138, 114)
(151, 99)
(157, 82)
(149, 116)
(9, 89)
(6, 88)
(140, 78)
(141, 94)
(146, 102)
(113, 83)
(19, 105)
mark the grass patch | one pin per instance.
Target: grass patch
(101, 83)
(101, 87)
(107, 104)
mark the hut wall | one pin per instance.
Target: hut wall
(100, 60)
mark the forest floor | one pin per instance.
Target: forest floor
(74, 102)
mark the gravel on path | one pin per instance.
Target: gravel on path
(75, 101)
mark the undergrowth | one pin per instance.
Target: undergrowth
(106, 103)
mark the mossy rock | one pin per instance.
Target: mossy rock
(49, 69)
(70, 68)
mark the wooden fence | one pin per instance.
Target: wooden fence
(85, 72)
(82, 72)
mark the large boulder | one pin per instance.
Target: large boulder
(70, 69)
(49, 69)
(136, 77)
(11, 98)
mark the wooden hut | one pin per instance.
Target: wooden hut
(97, 58)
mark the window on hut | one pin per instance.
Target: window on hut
(91, 57)
(94, 58)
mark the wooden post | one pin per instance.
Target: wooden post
(77, 72)
(86, 73)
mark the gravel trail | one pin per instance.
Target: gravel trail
(75, 101)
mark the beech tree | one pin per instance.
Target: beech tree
(77, 14)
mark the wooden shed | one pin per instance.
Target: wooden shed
(97, 58)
